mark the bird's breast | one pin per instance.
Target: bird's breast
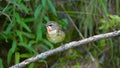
(56, 37)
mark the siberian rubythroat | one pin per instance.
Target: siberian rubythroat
(54, 32)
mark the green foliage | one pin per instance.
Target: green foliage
(77, 65)
(37, 11)
(21, 23)
(23, 30)
(1, 63)
(111, 22)
(44, 61)
(31, 65)
(70, 55)
(64, 23)
(48, 43)
(14, 43)
(51, 6)
(9, 56)
(25, 55)
(17, 57)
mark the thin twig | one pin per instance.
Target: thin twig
(15, 4)
(66, 47)
(3, 11)
(6, 7)
(6, 16)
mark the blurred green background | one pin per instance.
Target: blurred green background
(23, 32)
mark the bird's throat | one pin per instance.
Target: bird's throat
(52, 32)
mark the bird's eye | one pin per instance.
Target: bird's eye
(50, 25)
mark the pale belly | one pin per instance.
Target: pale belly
(56, 38)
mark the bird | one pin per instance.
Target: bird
(54, 32)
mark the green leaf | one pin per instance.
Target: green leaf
(43, 47)
(31, 42)
(37, 11)
(28, 19)
(25, 26)
(25, 46)
(17, 57)
(44, 61)
(64, 23)
(27, 0)
(19, 34)
(48, 43)
(31, 65)
(39, 31)
(22, 24)
(16, 1)
(2, 36)
(95, 53)
(26, 55)
(1, 63)
(52, 7)
(14, 44)
(30, 49)
(46, 18)
(24, 7)
(101, 44)
(44, 3)
(9, 27)
(115, 18)
(29, 35)
(9, 56)
(1, 8)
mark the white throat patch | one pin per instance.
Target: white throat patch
(53, 32)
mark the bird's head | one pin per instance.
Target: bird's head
(52, 27)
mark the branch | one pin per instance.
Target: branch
(6, 16)
(65, 47)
